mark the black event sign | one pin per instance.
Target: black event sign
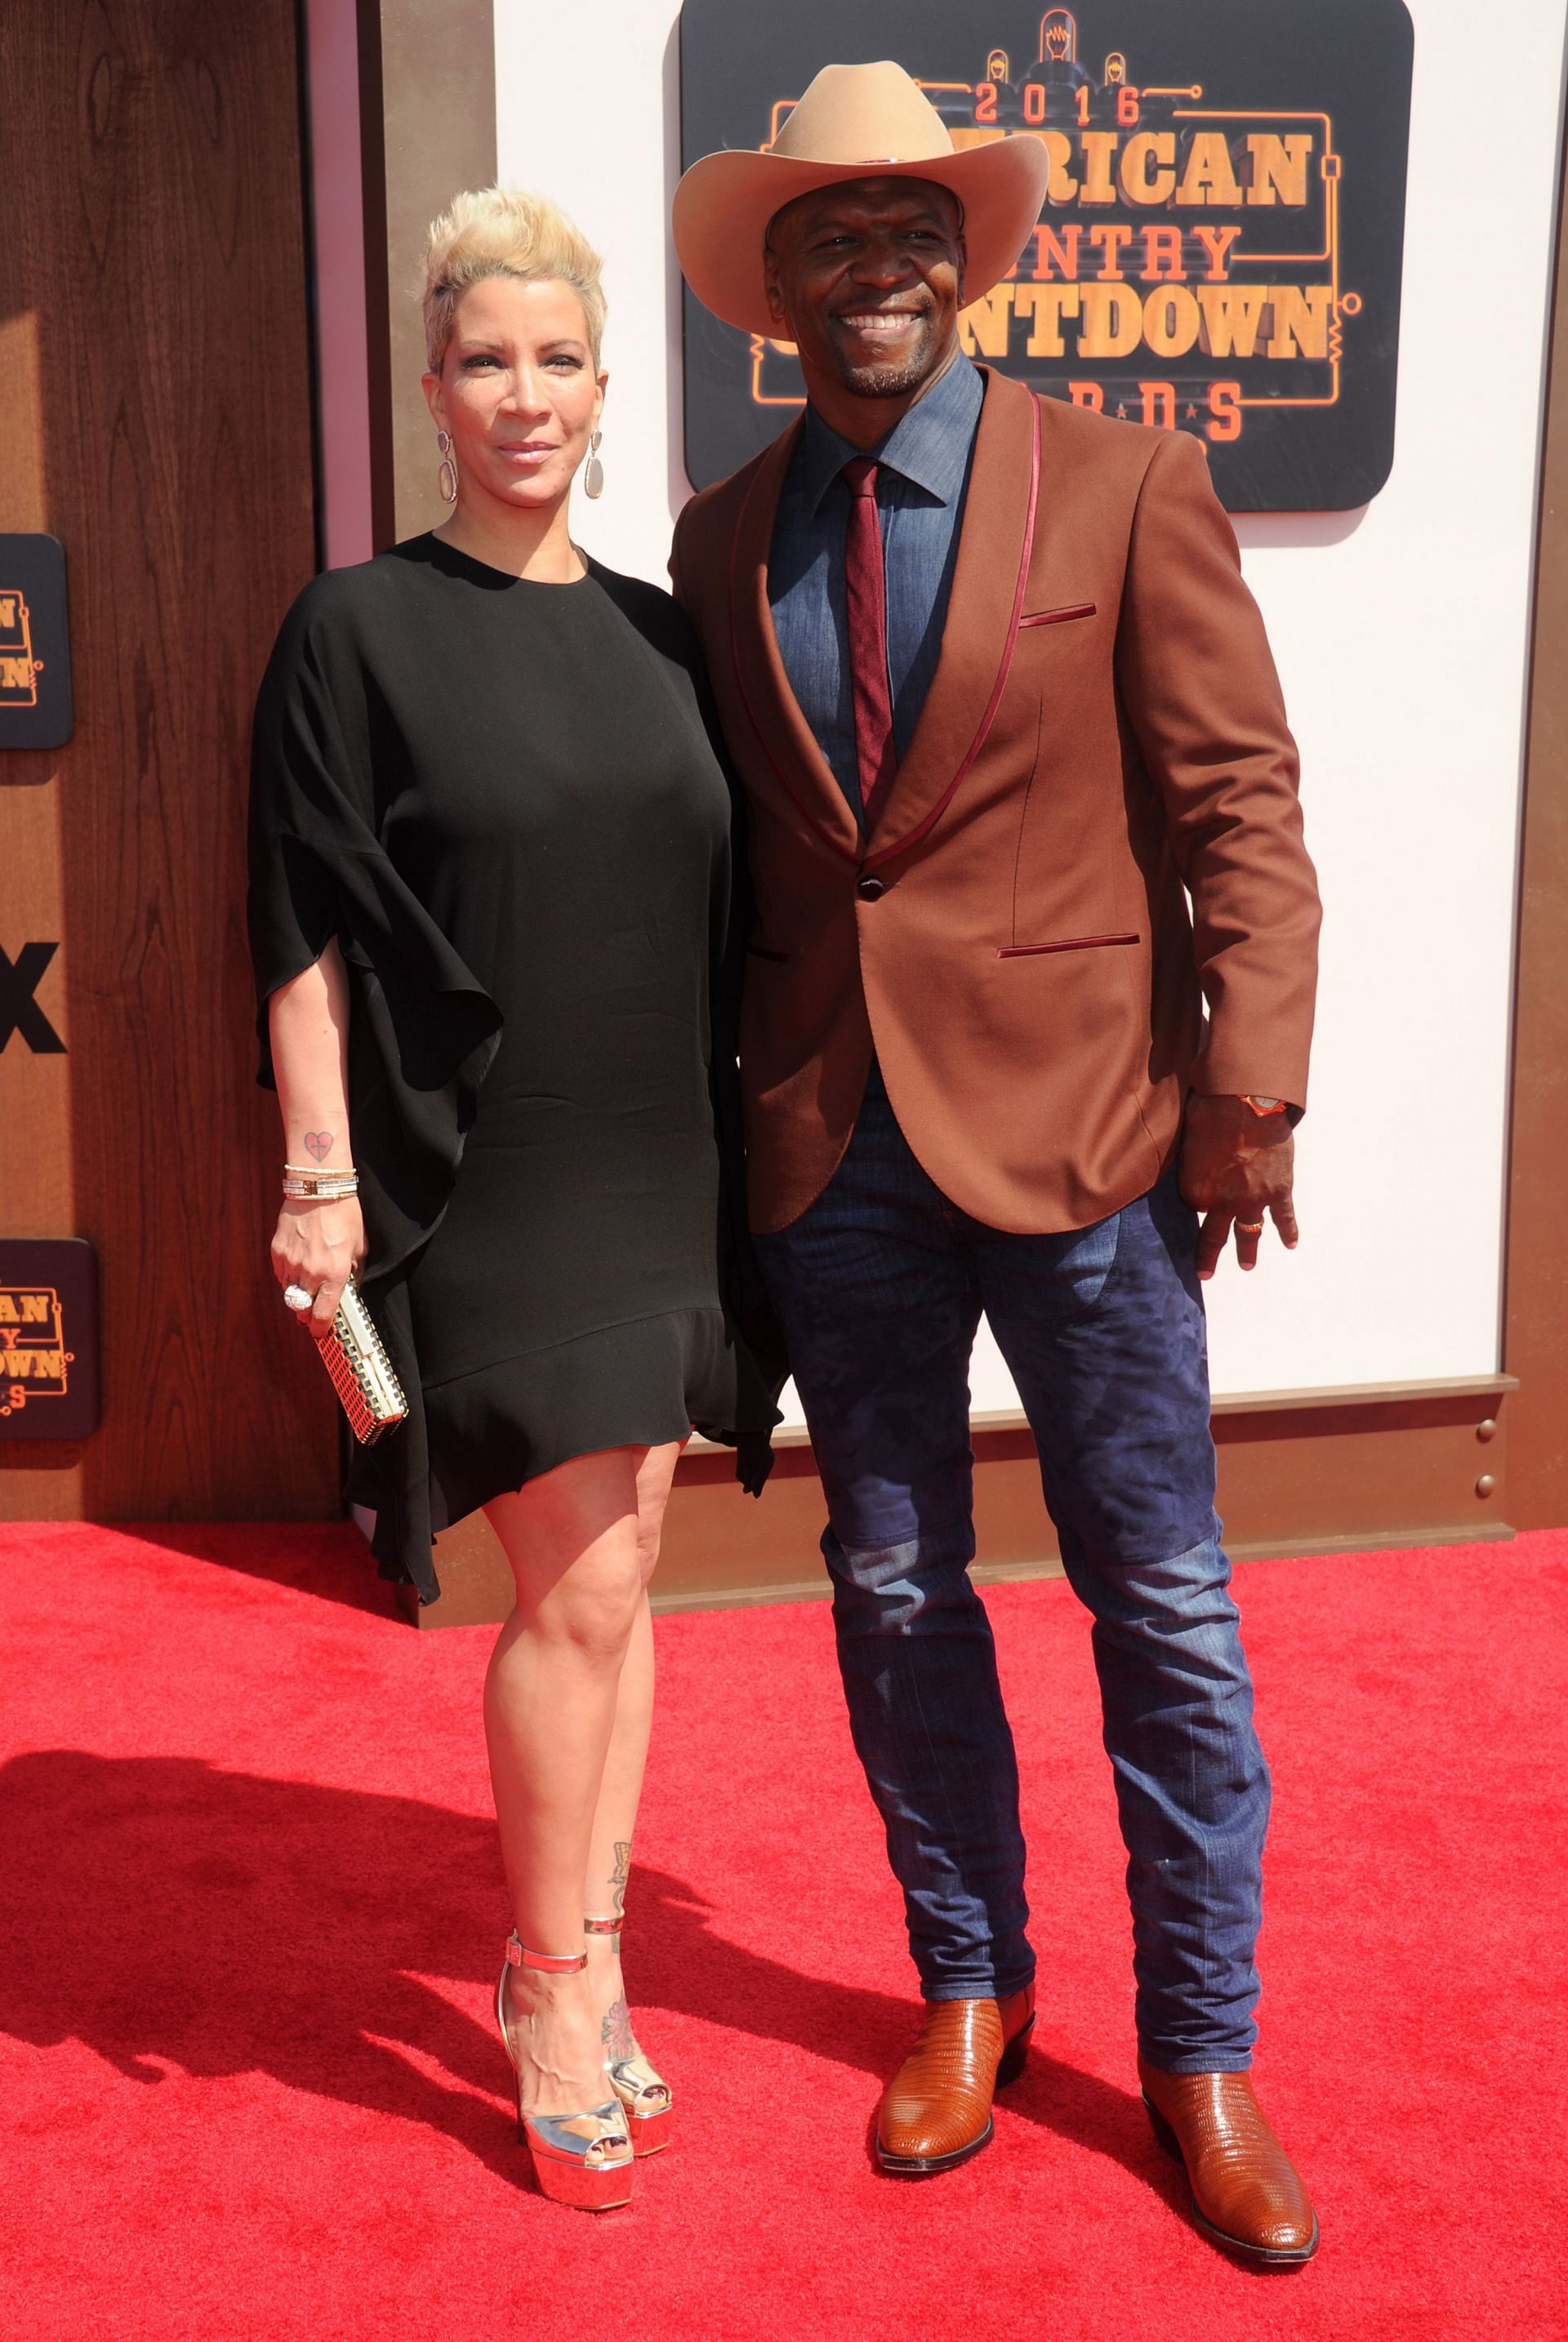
(35, 643)
(1219, 249)
(48, 1338)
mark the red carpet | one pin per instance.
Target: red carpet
(253, 1913)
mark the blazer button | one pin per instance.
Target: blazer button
(868, 889)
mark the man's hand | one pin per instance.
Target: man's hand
(1235, 1165)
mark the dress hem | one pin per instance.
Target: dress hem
(644, 1382)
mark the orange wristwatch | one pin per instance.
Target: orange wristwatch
(1264, 1106)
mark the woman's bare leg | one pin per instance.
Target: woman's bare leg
(610, 1845)
(551, 1697)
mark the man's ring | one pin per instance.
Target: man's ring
(296, 1297)
(1249, 1228)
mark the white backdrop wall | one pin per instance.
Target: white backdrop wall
(1401, 633)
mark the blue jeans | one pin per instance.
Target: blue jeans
(880, 1285)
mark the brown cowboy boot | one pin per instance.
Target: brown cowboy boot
(1245, 2189)
(937, 2111)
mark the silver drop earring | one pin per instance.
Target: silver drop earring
(593, 471)
(447, 470)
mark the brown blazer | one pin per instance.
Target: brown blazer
(1104, 728)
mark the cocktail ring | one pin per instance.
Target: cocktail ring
(296, 1297)
(1249, 1228)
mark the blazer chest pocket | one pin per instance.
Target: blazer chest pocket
(1068, 943)
(1062, 617)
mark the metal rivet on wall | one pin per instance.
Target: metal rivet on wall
(1487, 1429)
(1485, 1485)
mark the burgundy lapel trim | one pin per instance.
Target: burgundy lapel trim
(922, 828)
(812, 820)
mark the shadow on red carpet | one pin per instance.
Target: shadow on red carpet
(162, 1874)
(253, 1910)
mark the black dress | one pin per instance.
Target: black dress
(501, 797)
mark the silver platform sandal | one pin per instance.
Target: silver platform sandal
(585, 2159)
(644, 2095)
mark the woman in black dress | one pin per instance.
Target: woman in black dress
(489, 911)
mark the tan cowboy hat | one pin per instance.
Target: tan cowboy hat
(854, 121)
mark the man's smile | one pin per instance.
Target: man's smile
(879, 324)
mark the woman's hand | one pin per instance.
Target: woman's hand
(318, 1247)
(319, 1244)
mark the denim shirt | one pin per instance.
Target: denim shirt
(920, 491)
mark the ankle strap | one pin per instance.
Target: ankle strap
(611, 1926)
(547, 1963)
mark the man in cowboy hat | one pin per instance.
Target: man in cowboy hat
(1001, 703)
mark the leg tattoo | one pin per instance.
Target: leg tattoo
(616, 2029)
(616, 2032)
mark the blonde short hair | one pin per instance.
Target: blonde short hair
(504, 232)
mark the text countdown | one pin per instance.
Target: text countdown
(1220, 247)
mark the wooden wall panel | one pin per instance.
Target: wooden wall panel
(1536, 1337)
(1300, 1472)
(154, 262)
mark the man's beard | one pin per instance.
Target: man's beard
(893, 377)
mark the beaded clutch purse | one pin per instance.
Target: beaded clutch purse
(361, 1370)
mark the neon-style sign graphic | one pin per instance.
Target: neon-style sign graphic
(1220, 244)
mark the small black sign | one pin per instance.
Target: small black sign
(1220, 247)
(48, 1338)
(35, 643)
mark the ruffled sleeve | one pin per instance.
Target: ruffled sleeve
(423, 1030)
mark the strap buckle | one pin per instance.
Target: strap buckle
(547, 1963)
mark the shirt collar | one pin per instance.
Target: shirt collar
(929, 447)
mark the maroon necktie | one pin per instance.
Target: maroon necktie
(865, 600)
